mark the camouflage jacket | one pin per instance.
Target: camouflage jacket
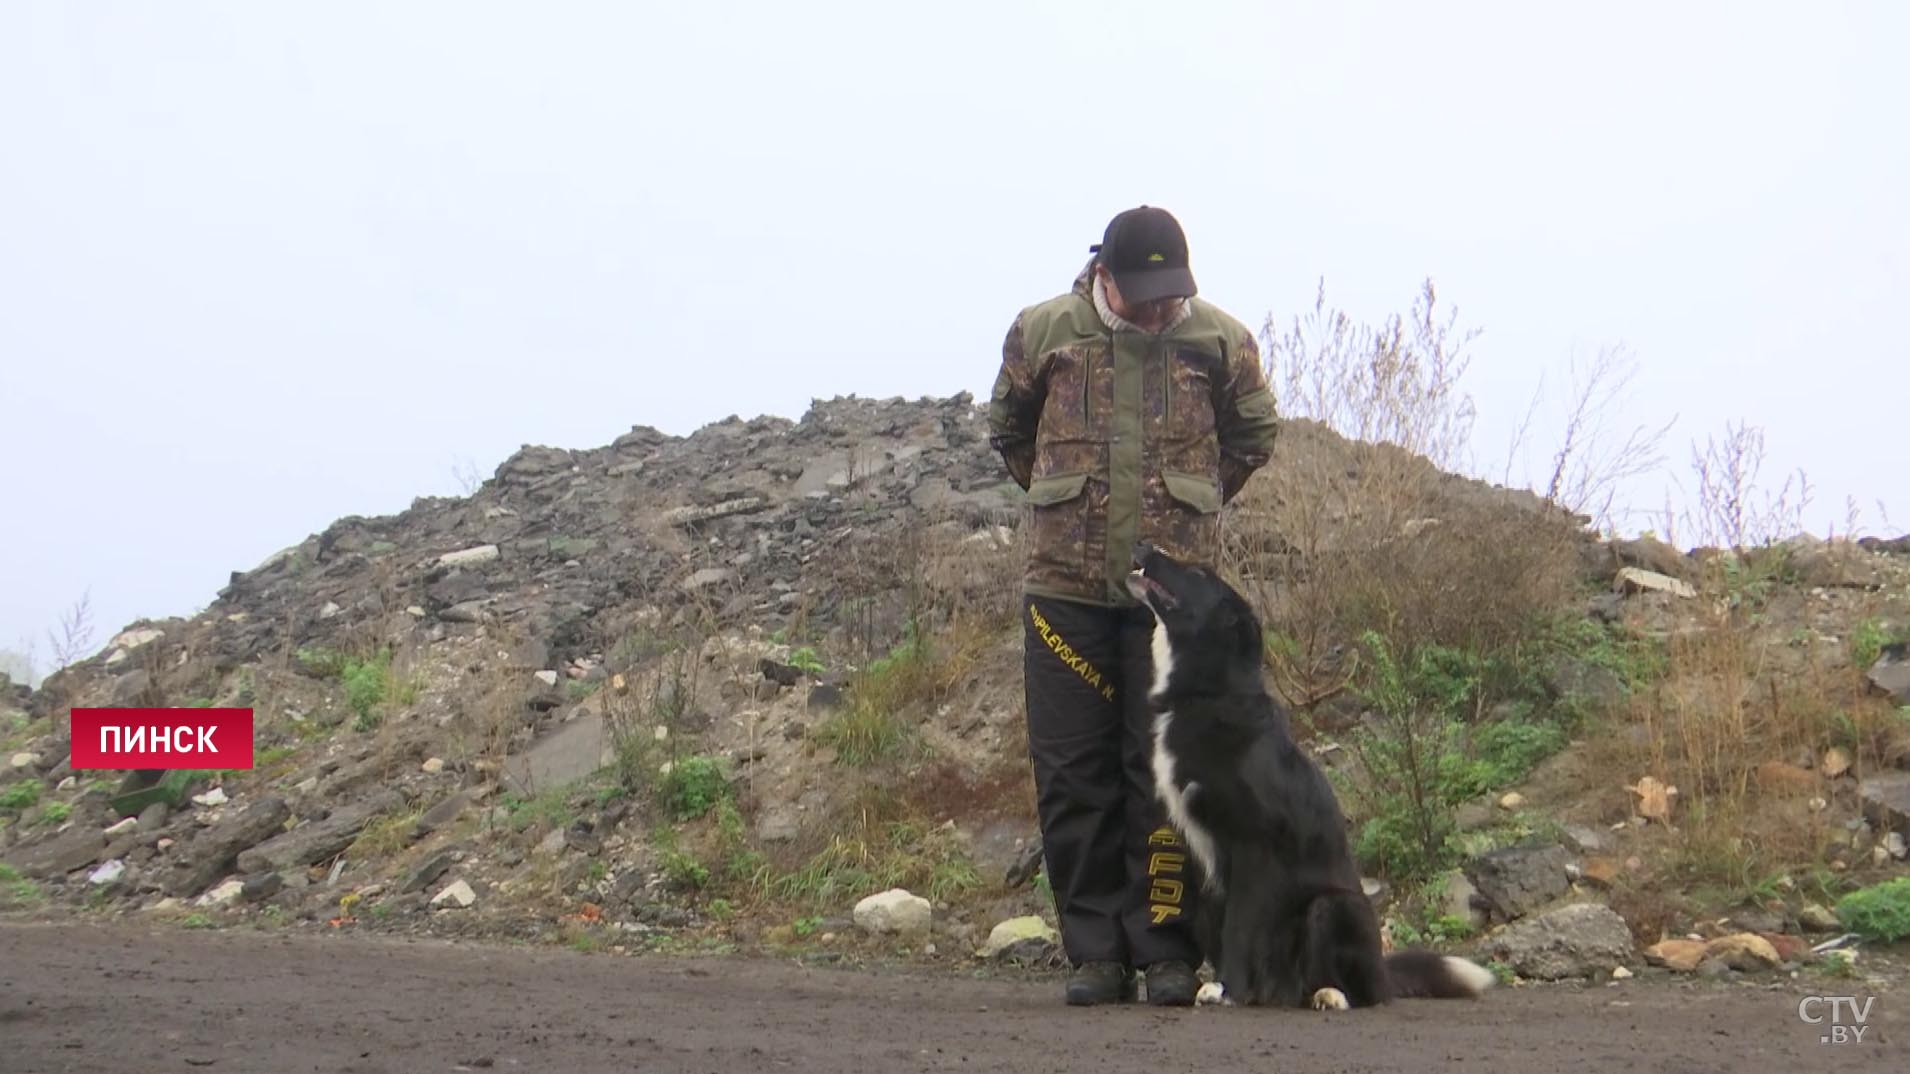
(1120, 436)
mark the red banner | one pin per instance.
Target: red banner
(162, 738)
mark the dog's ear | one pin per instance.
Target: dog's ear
(1241, 624)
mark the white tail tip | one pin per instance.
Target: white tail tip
(1474, 977)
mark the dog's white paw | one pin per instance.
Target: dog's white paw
(1212, 994)
(1330, 999)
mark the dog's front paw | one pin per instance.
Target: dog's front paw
(1330, 999)
(1212, 994)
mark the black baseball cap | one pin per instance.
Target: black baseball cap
(1146, 251)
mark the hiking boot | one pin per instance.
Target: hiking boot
(1097, 982)
(1171, 984)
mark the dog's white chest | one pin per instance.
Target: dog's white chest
(1178, 799)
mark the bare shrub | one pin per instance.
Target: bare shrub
(1355, 527)
(1594, 457)
(1396, 382)
(75, 636)
(1731, 508)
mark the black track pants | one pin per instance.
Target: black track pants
(1123, 883)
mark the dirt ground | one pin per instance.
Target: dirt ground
(102, 998)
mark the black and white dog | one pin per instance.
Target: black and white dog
(1282, 917)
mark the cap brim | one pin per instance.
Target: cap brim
(1157, 283)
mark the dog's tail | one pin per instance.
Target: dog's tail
(1426, 974)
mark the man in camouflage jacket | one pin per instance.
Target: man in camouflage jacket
(1130, 410)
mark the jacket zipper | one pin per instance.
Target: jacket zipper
(1167, 389)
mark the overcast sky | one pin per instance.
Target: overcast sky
(263, 265)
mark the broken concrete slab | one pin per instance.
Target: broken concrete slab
(580, 748)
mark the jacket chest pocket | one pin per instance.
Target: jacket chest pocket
(1080, 400)
(1189, 394)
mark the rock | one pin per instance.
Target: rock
(1576, 940)
(432, 766)
(212, 854)
(1516, 881)
(1836, 762)
(24, 759)
(261, 887)
(1460, 899)
(1587, 840)
(582, 839)
(1652, 555)
(552, 844)
(222, 895)
(547, 677)
(318, 840)
(1601, 873)
(780, 674)
(1789, 948)
(109, 873)
(214, 797)
(1654, 798)
(444, 813)
(1886, 546)
(1512, 802)
(1634, 580)
(1028, 861)
(777, 825)
(1606, 608)
(1819, 564)
(1893, 844)
(153, 818)
(1745, 952)
(458, 587)
(469, 557)
(1022, 939)
(1572, 679)
(1620, 973)
(427, 873)
(457, 896)
(579, 748)
(686, 516)
(1758, 921)
(707, 577)
(471, 611)
(1886, 800)
(1818, 919)
(75, 848)
(1891, 672)
(124, 827)
(135, 638)
(893, 912)
(1474, 816)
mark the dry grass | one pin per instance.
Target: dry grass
(1764, 736)
(916, 615)
(880, 840)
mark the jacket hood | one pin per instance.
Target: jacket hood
(1084, 280)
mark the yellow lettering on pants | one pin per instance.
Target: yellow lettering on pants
(1165, 893)
(1075, 661)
